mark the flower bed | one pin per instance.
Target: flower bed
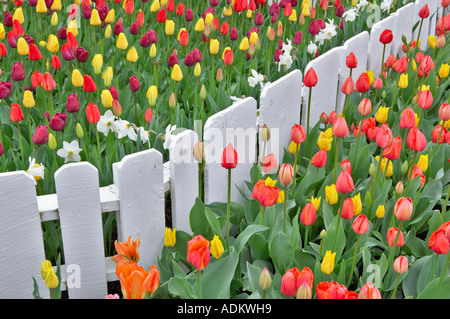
(311, 227)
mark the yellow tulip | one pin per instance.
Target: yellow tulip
(122, 42)
(380, 211)
(197, 70)
(110, 17)
(95, 18)
(132, 54)
(107, 76)
(253, 37)
(249, 13)
(244, 45)
(152, 51)
(216, 247)
(164, 2)
(200, 25)
(56, 5)
(52, 43)
(155, 6)
(324, 141)
(106, 98)
(403, 81)
(97, 63)
(331, 195)
(170, 27)
(2, 31)
(306, 10)
(293, 16)
(108, 31)
(54, 19)
(48, 274)
(209, 18)
(371, 76)
(292, 148)
(77, 78)
(444, 71)
(280, 197)
(316, 202)
(414, 65)
(41, 7)
(28, 99)
(270, 182)
(170, 237)
(432, 41)
(327, 265)
(383, 166)
(423, 162)
(152, 95)
(22, 46)
(176, 74)
(357, 204)
(72, 27)
(382, 114)
(214, 46)
(18, 15)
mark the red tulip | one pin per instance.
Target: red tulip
(310, 79)
(198, 253)
(58, 121)
(403, 208)
(345, 164)
(170, 6)
(17, 72)
(89, 84)
(41, 134)
(319, 159)
(348, 208)
(92, 113)
(16, 114)
(401, 264)
(161, 16)
(225, 28)
(351, 61)
(298, 134)
(148, 115)
(56, 62)
(386, 36)
(34, 54)
(436, 132)
(3, 50)
(438, 242)
(384, 136)
(401, 65)
(47, 82)
(294, 278)
(229, 157)
(363, 83)
(425, 99)
(360, 224)
(184, 38)
(426, 65)
(344, 183)
(179, 11)
(424, 12)
(390, 61)
(228, 57)
(393, 152)
(266, 195)
(331, 290)
(415, 140)
(444, 112)
(417, 172)
(340, 128)
(392, 234)
(287, 10)
(308, 215)
(332, 118)
(408, 118)
(348, 87)
(286, 174)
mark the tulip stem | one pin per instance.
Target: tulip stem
(354, 261)
(410, 173)
(199, 290)
(98, 149)
(295, 169)
(309, 108)
(444, 274)
(420, 30)
(437, 142)
(338, 222)
(391, 254)
(20, 144)
(357, 141)
(336, 158)
(306, 236)
(396, 286)
(228, 210)
(444, 207)
(284, 208)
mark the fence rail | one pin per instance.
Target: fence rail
(141, 180)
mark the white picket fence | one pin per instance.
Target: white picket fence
(137, 196)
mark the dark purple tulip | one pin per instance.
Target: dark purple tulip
(46, 116)
(12, 40)
(197, 55)
(82, 55)
(213, 3)
(8, 19)
(134, 29)
(103, 11)
(340, 11)
(62, 33)
(189, 60)
(28, 38)
(5, 89)
(134, 83)
(298, 37)
(259, 20)
(233, 34)
(274, 18)
(114, 92)
(277, 54)
(173, 59)
(321, 24)
(17, 72)
(274, 9)
(87, 12)
(48, 3)
(68, 53)
(40, 136)
(72, 104)
(314, 27)
(58, 121)
(32, 3)
(2, 151)
(189, 15)
(118, 27)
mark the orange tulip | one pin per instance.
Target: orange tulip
(135, 281)
(198, 253)
(266, 195)
(127, 250)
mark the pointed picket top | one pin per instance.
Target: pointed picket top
(77, 188)
(22, 248)
(139, 180)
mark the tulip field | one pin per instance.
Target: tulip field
(355, 207)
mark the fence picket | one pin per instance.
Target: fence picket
(279, 109)
(139, 179)
(22, 248)
(235, 125)
(184, 178)
(77, 188)
(404, 27)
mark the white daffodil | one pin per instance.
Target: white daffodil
(106, 123)
(312, 48)
(70, 151)
(144, 135)
(285, 58)
(386, 5)
(36, 170)
(362, 4)
(350, 15)
(256, 79)
(125, 128)
(168, 136)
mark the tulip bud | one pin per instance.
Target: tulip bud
(401, 264)
(265, 133)
(203, 92)
(380, 211)
(198, 152)
(265, 281)
(219, 76)
(323, 234)
(172, 101)
(304, 291)
(372, 169)
(52, 142)
(216, 247)
(79, 131)
(399, 188)
(116, 108)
